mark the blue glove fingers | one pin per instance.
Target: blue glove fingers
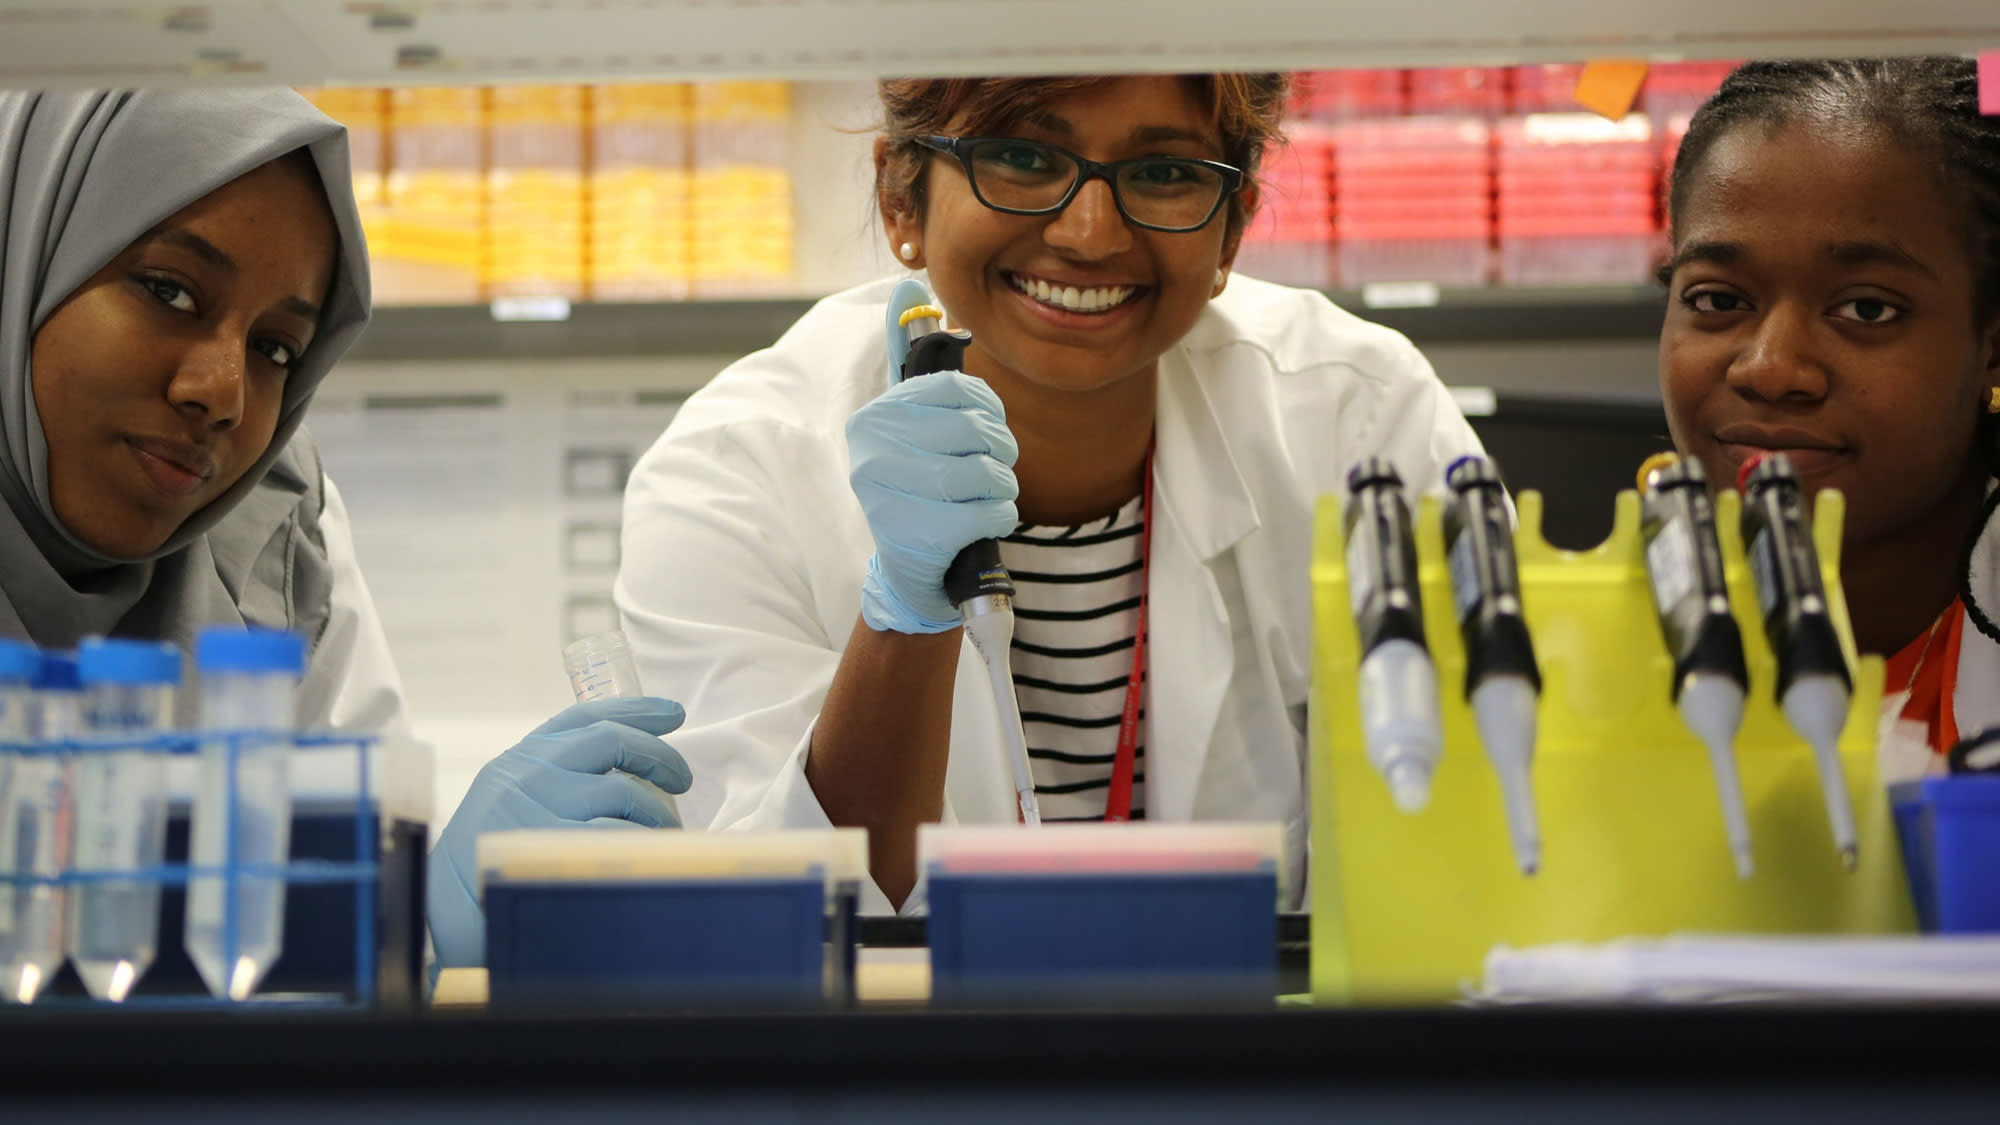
(930, 541)
(614, 822)
(924, 481)
(953, 389)
(647, 713)
(950, 418)
(605, 746)
(581, 798)
(892, 433)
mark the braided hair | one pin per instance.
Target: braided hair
(1928, 104)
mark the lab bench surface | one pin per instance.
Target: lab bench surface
(1550, 1064)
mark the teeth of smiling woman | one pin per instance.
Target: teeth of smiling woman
(1074, 299)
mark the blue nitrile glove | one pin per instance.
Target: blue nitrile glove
(932, 464)
(557, 777)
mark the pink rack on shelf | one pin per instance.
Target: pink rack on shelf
(1576, 199)
(1413, 200)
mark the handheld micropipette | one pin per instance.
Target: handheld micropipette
(1814, 684)
(1401, 726)
(1684, 566)
(976, 582)
(1502, 679)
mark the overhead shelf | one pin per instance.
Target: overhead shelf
(389, 42)
(737, 327)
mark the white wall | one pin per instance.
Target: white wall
(485, 504)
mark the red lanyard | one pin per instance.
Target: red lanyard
(1118, 803)
(1928, 669)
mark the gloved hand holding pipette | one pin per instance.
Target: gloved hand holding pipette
(559, 776)
(931, 461)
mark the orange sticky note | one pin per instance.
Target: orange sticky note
(1989, 83)
(1608, 87)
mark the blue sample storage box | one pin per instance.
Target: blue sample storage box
(671, 919)
(1163, 937)
(1950, 832)
(756, 943)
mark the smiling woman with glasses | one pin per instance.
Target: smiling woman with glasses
(1146, 435)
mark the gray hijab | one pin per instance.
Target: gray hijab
(82, 176)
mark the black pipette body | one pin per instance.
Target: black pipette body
(976, 571)
(1485, 577)
(1784, 560)
(1684, 566)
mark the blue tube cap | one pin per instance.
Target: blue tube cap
(19, 661)
(107, 660)
(222, 649)
(58, 673)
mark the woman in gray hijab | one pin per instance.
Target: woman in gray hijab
(178, 272)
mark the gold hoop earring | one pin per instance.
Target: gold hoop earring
(1993, 400)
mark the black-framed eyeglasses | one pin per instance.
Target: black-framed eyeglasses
(1175, 194)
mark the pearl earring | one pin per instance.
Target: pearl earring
(907, 251)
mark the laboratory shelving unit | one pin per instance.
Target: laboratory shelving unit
(66, 43)
(739, 326)
(400, 42)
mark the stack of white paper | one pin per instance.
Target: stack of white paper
(1698, 969)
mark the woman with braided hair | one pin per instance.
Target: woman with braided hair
(1835, 294)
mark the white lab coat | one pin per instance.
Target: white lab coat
(1904, 751)
(350, 684)
(744, 552)
(351, 681)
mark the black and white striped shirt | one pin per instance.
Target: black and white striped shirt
(1076, 613)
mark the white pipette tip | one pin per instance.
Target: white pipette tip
(1504, 708)
(1031, 810)
(1746, 864)
(29, 985)
(1409, 783)
(1712, 707)
(991, 629)
(1816, 707)
(1400, 722)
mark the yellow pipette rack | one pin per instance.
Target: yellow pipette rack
(1405, 907)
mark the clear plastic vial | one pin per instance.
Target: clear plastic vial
(19, 663)
(600, 666)
(243, 805)
(38, 829)
(120, 826)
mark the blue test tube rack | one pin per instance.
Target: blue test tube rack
(171, 982)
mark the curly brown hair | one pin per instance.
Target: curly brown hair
(1245, 108)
